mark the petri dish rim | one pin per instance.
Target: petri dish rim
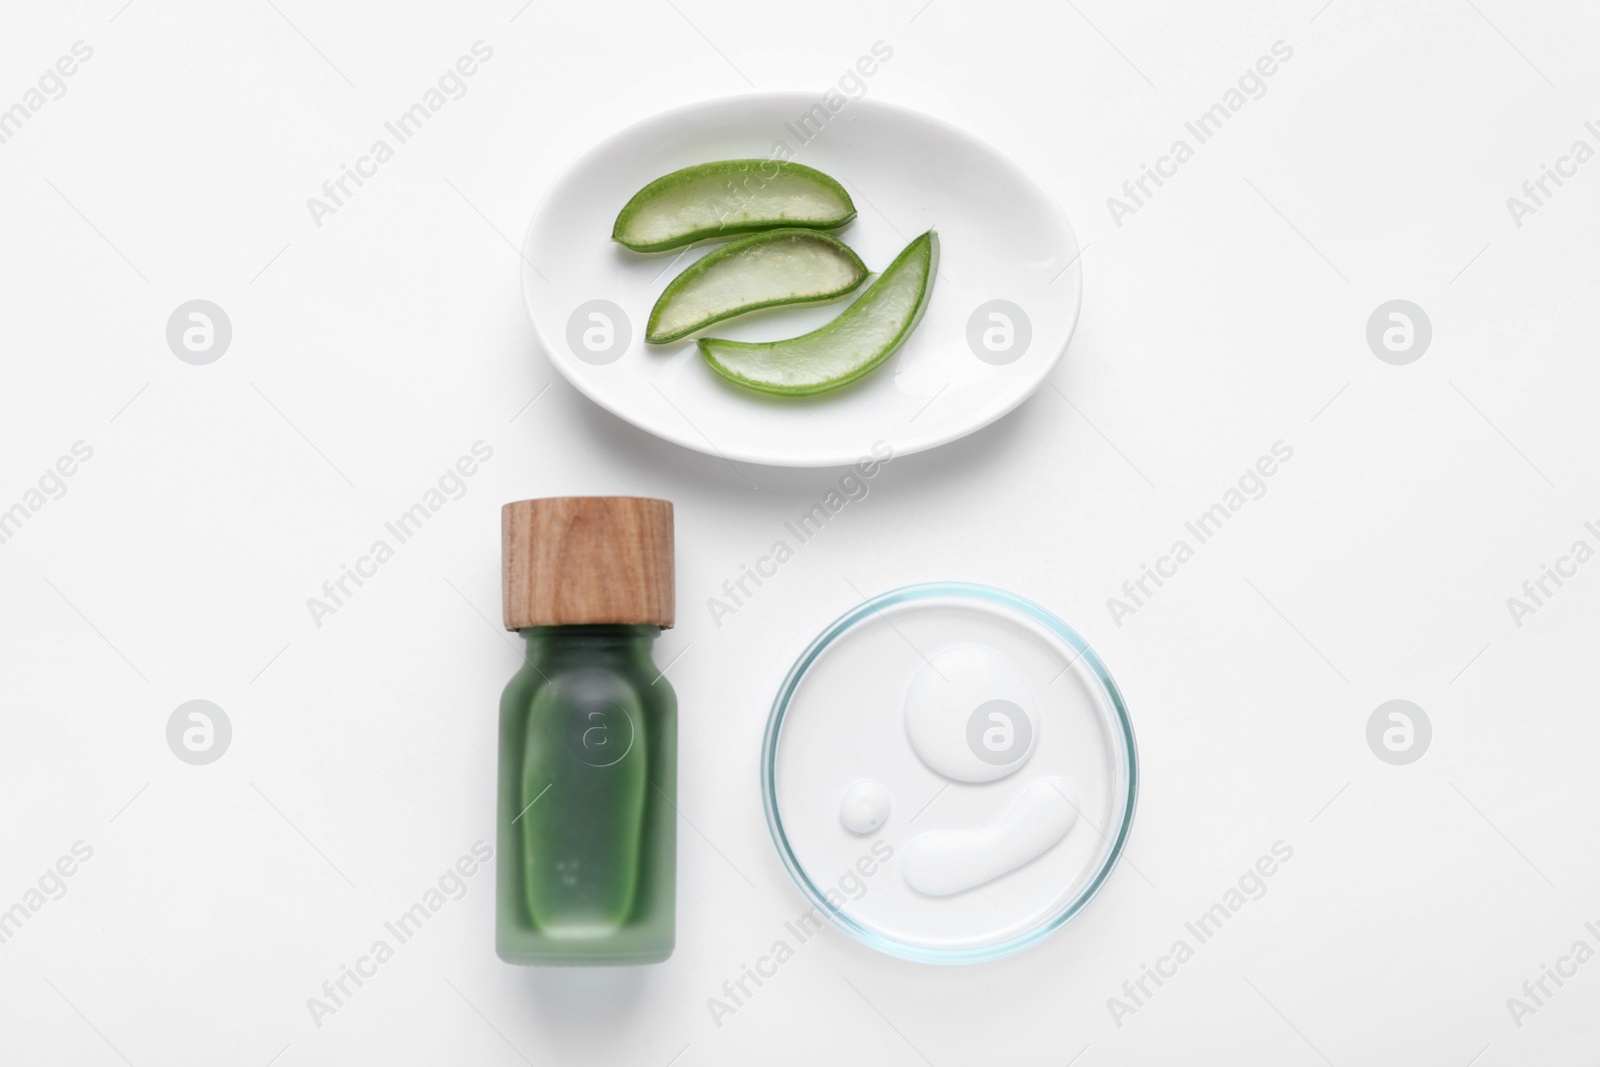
(769, 751)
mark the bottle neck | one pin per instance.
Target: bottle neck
(618, 643)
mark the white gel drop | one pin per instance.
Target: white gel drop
(969, 715)
(942, 862)
(865, 807)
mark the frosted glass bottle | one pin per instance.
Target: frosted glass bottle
(588, 735)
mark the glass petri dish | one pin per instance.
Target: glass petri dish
(895, 702)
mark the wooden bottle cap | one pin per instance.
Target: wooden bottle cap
(575, 560)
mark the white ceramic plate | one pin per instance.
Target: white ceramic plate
(1001, 237)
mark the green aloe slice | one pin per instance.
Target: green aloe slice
(788, 266)
(727, 198)
(865, 334)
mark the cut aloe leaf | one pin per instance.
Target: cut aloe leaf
(788, 266)
(864, 335)
(727, 198)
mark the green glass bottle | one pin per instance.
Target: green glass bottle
(588, 735)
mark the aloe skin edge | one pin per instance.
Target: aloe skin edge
(587, 808)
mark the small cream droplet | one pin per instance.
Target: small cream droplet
(865, 807)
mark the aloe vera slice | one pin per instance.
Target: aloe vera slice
(788, 266)
(727, 198)
(865, 334)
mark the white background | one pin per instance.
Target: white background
(369, 353)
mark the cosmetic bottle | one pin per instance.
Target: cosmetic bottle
(588, 735)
